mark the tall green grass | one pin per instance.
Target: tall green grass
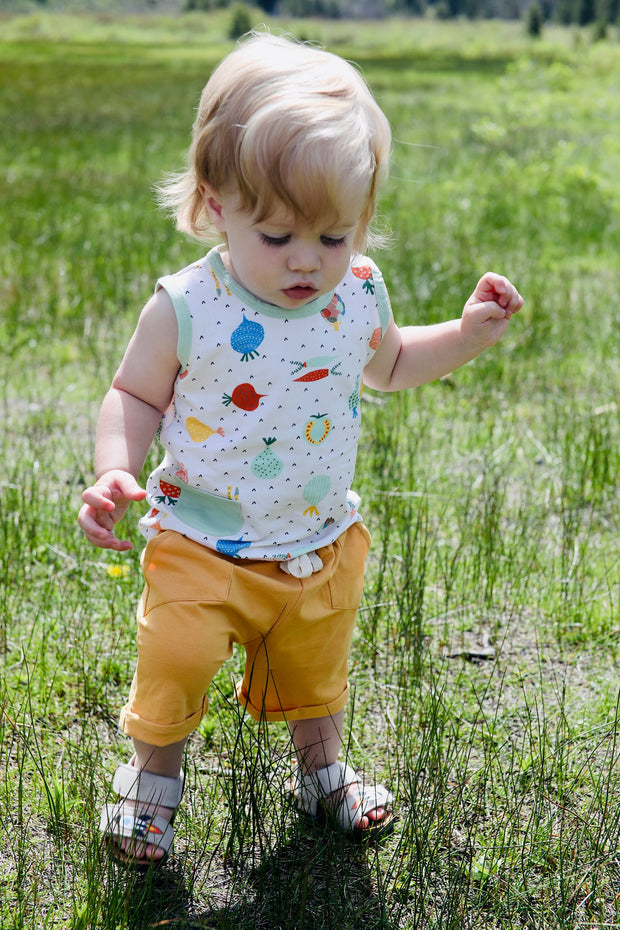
(485, 660)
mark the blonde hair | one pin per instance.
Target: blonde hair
(282, 121)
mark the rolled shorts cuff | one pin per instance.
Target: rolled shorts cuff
(156, 734)
(295, 713)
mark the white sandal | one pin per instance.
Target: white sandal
(312, 789)
(141, 824)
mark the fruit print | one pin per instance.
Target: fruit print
(314, 375)
(317, 428)
(218, 289)
(319, 361)
(267, 464)
(334, 311)
(244, 396)
(354, 399)
(246, 339)
(319, 373)
(170, 493)
(200, 431)
(231, 546)
(364, 272)
(375, 339)
(314, 492)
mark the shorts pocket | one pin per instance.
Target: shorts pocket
(345, 585)
(178, 569)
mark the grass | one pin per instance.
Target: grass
(485, 661)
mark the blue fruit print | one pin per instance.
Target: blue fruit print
(246, 339)
(231, 546)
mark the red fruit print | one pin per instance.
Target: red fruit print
(314, 375)
(319, 373)
(364, 273)
(244, 396)
(375, 339)
(170, 493)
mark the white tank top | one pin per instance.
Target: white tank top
(261, 438)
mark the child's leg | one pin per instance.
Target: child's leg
(317, 741)
(317, 744)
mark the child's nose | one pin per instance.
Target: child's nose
(304, 258)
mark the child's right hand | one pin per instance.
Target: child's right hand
(105, 503)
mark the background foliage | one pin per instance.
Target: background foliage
(579, 12)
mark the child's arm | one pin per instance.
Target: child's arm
(414, 355)
(130, 414)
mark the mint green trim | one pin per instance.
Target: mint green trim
(383, 300)
(175, 292)
(315, 306)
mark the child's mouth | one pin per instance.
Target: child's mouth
(300, 292)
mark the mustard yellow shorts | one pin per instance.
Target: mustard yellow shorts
(197, 604)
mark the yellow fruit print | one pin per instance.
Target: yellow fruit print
(317, 428)
(200, 431)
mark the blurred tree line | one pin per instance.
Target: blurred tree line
(565, 12)
(534, 13)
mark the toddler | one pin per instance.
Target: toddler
(250, 363)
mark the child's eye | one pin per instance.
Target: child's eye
(334, 242)
(273, 240)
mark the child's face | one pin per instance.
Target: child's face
(282, 260)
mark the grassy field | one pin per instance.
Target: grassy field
(485, 664)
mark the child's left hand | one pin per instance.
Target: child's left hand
(487, 313)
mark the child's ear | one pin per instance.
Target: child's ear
(214, 206)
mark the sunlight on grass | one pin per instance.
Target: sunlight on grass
(484, 665)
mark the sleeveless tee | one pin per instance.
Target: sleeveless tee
(261, 438)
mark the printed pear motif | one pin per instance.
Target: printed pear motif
(246, 339)
(314, 492)
(267, 464)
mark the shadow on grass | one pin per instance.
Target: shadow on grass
(315, 880)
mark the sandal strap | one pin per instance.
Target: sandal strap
(312, 788)
(150, 828)
(139, 785)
